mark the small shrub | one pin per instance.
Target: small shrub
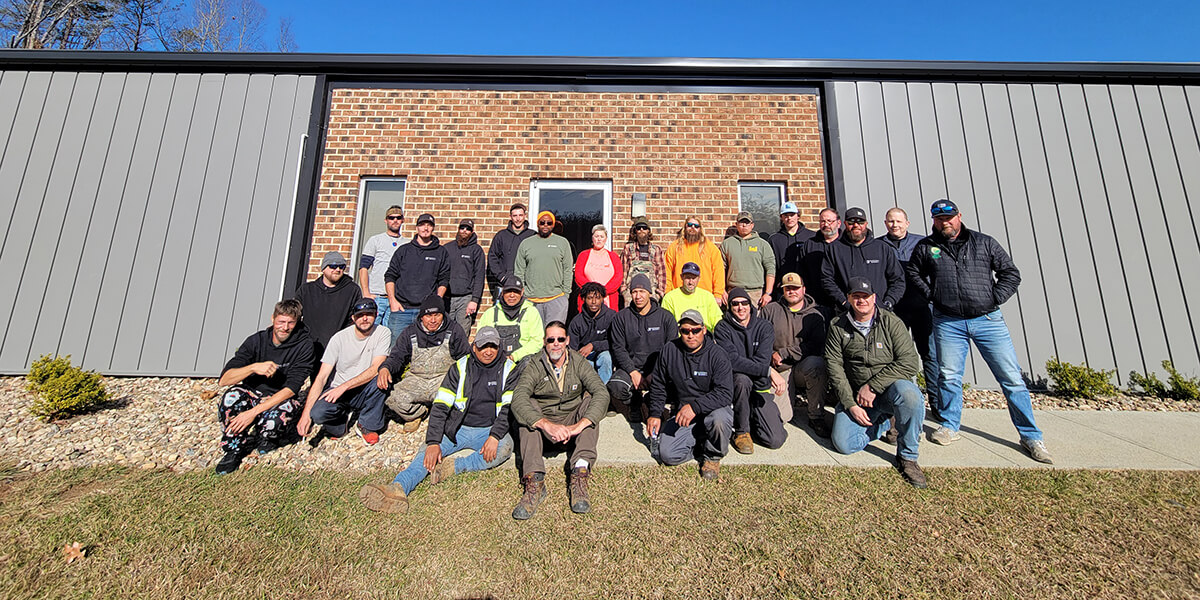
(62, 390)
(1149, 383)
(1182, 388)
(1080, 381)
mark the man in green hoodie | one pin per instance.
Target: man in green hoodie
(545, 264)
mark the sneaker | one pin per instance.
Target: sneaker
(911, 472)
(1037, 450)
(535, 492)
(577, 491)
(266, 446)
(442, 472)
(743, 443)
(370, 437)
(229, 463)
(943, 436)
(710, 470)
(412, 426)
(389, 498)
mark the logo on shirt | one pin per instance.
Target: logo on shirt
(879, 345)
(649, 329)
(465, 256)
(601, 331)
(699, 373)
(491, 384)
(430, 258)
(935, 252)
(754, 248)
(871, 261)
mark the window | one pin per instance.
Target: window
(578, 205)
(375, 195)
(762, 199)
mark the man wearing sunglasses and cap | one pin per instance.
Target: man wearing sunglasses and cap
(470, 412)
(788, 242)
(967, 275)
(544, 262)
(559, 401)
(418, 269)
(642, 256)
(377, 257)
(327, 301)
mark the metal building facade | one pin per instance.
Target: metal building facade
(1089, 186)
(147, 214)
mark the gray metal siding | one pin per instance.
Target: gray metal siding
(140, 206)
(1089, 187)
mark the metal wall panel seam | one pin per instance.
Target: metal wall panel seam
(862, 141)
(4, 75)
(24, 169)
(912, 128)
(887, 137)
(1187, 99)
(95, 197)
(66, 213)
(294, 197)
(299, 238)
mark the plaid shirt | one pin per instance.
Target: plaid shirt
(629, 254)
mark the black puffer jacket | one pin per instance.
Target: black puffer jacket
(956, 275)
(871, 259)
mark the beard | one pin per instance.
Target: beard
(829, 234)
(856, 237)
(555, 357)
(949, 230)
(463, 238)
(643, 237)
(692, 235)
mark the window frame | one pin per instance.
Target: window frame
(357, 240)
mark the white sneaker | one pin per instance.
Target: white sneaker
(943, 436)
(1037, 450)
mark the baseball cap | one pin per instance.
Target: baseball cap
(364, 305)
(943, 208)
(855, 214)
(792, 280)
(690, 268)
(467, 223)
(859, 285)
(512, 282)
(425, 218)
(641, 221)
(693, 316)
(744, 216)
(487, 335)
(787, 208)
(395, 210)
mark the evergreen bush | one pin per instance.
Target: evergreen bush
(1080, 381)
(61, 390)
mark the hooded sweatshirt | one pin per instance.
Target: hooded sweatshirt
(799, 334)
(702, 378)
(294, 357)
(418, 271)
(912, 300)
(587, 328)
(402, 351)
(502, 254)
(327, 309)
(788, 249)
(871, 259)
(748, 347)
(466, 269)
(636, 339)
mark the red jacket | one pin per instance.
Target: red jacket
(611, 287)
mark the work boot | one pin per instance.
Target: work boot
(229, 463)
(911, 472)
(710, 470)
(387, 498)
(578, 490)
(442, 472)
(412, 426)
(818, 426)
(892, 435)
(535, 492)
(743, 443)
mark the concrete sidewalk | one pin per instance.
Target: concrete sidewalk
(1076, 439)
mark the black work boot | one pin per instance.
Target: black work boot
(578, 490)
(230, 462)
(535, 492)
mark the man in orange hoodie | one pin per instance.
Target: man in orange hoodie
(692, 246)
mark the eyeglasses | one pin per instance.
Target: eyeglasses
(395, 217)
(691, 330)
(560, 339)
(694, 225)
(336, 267)
(739, 303)
(938, 211)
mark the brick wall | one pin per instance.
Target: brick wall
(474, 153)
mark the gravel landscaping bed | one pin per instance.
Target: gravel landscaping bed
(171, 423)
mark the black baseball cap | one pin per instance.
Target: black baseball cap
(855, 214)
(860, 285)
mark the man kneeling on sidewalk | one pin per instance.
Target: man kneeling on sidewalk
(550, 405)
(872, 361)
(470, 412)
(352, 359)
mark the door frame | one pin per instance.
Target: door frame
(605, 185)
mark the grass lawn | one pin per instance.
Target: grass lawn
(763, 532)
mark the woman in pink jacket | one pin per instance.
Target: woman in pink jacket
(602, 266)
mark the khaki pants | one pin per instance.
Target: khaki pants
(809, 375)
(581, 447)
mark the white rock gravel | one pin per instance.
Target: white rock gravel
(168, 423)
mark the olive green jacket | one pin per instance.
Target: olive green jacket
(886, 355)
(537, 396)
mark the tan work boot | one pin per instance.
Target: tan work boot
(535, 492)
(442, 472)
(412, 425)
(710, 470)
(743, 443)
(578, 490)
(388, 498)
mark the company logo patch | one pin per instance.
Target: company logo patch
(935, 252)
(754, 248)
(871, 261)
(699, 373)
(430, 258)
(879, 345)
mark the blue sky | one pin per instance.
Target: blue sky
(1021, 30)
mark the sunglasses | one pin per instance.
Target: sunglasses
(739, 303)
(545, 222)
(641, 228)
(560, 339)
(694, 225)
(938, 211)
(855, 222)
(691, 330)
(395, 218)
(336, 267)
(467, 227)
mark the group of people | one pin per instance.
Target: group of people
(701, 343)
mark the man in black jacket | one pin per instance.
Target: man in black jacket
(425, 266)
(326, 303)
(812, 255)
(502, 253)
(858, 254)
(954, 268)
(589, 329)
(748, 342)
(466, 276)
(639, 331)
(265, 376)
(470, 412)
(788, 242)
(694, 377)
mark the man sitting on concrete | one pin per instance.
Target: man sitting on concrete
(559, 400)
(685, 297)
(427, 348)
(747, 341)
(589, 329)
(265, 376)
(694, 377)
(344, 383)
(872, 361)
(516, 320)
(470, 412)
(799, 351)
(638, 333)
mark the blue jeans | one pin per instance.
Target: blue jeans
(602, 362)
(366, 400)
(397, 321)
(903, 402)
(469, 438)
(385, 309)
(951, 338)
